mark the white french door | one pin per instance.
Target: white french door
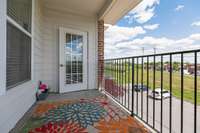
(73, 60)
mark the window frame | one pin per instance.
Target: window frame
(29, 34)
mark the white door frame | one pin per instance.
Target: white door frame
(62, 64)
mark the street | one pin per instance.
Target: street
(188, 112)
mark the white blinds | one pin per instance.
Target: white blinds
(18, 57)
(20, 11)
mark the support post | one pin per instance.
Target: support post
(100, 52)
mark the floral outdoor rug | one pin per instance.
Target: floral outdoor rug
(98, 115)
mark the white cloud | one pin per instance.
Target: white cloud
(197, 23)
(115, 34)
(143, 12)
(179, 7)
(151, 27)
(195, 37)
(163, 44)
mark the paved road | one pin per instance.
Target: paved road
(188, 113)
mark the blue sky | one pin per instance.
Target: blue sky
(166, 25)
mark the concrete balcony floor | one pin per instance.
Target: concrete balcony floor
(78, 112)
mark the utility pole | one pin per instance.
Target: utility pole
(142, 50)
(154, 49)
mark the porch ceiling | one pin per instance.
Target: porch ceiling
(81, 7)
(108, 10)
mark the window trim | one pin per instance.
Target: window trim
(3, 9)
(29, 34)
(14, 23)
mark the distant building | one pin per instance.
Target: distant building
(191, 68)
(167, 68)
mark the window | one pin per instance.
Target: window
(18, 67)
(18, 56)
(20, 11)
(74, 59)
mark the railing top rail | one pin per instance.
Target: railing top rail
(160, 54)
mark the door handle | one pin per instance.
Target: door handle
(61, 65)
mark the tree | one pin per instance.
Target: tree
(176, 66)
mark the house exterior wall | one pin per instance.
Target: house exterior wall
(15, 102)
(53, 19)
(38, 46)
(45, 58)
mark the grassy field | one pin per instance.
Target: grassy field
(176, 82)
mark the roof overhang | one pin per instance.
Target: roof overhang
(86, 8)
(108, 10)
(113, 10)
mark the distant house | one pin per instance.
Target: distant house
(191, 68)
(186, 72)
(151, 67)
(167, 68)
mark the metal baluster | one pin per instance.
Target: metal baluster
(125, 85)
(128, 83)
(195, 92)
(154, 86)
(133, 81)
(161, 78)
(182, 80)
(123, 81)
(115, 83)
(142, 88)
(118, 80)
(170, 86)
(147, 67)
(137, 86)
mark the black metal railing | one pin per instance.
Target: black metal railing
(162, 90)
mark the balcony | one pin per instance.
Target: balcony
(146, 93)
(162, 90)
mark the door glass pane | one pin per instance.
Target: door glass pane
(68, 78)
(80, 78)
(80, 64)
(74, 64)
(74, 58)
(68, 64)
(74, 78)
(80, 45)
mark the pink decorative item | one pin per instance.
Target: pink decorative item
(43, 87)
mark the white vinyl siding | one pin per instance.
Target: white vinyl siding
(53, 19)
(38, 47)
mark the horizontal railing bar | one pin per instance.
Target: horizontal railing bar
(160, 54)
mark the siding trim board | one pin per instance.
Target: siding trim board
(3, 5)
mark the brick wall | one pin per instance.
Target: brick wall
(100, 52)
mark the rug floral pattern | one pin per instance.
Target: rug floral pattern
(97, 115)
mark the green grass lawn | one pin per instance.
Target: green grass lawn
(176, 82)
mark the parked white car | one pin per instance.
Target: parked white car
(157, 93)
